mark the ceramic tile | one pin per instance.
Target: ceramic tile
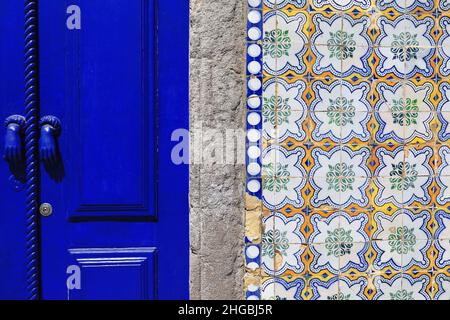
(340, 111)
(402, 287)
(339, 288)
(441, 242)
(284, 42)
(291, 4)
(339, 5)
(441, 286)
(351, 99)
(341, 45)
(284, 111)
(280, 289)
(339, 241)
(406, 6)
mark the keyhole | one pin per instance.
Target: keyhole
(46, 209)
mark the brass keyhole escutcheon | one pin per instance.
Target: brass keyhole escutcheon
(46, 209)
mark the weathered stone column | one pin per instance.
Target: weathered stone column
(217, 101)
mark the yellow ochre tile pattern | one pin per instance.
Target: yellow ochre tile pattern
(348, 159)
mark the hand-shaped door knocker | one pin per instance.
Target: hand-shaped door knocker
(15, 127)
(48, 147)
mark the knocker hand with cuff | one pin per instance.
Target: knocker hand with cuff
(15, 127)
(48, 146)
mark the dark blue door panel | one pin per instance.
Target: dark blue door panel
(128, 273)
(112, 112)
(12, 197)
(120, 206)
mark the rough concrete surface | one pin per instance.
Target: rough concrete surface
(217, 101)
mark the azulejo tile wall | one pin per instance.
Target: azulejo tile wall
(348, 157)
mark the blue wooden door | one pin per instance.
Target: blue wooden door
(113, 87)
(12, 195)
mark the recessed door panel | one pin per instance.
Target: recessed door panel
(114, 274)
(113, 109)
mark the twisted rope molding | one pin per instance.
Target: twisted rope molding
(31, 147)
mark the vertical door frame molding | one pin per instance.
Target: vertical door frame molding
(32, 165)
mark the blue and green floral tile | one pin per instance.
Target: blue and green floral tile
(406, 6)
(267, 288)
(286, 126)
(341, 45)
(444, 5)
(402, 286)
(340, 112)
(284, 42)
(403, 176)
(266, 260)
(282, 245)
(284, 111)
(340, 177)
(338, 288)
(405, 46)
(291, 227)
(284, 178)
(442, 239)
(441, 286)
(340, 5)
(357, 285)
(279, 192)
(443, 176)
(286, 4)
(281, 289)
(339, 242)
(443, 112)
(413, 262)
(401, 240)
(284, 265)
(404, 112)
(444, 45)
(271, 46)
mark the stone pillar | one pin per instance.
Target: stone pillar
(217, 102)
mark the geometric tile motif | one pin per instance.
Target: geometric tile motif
(348, 150)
